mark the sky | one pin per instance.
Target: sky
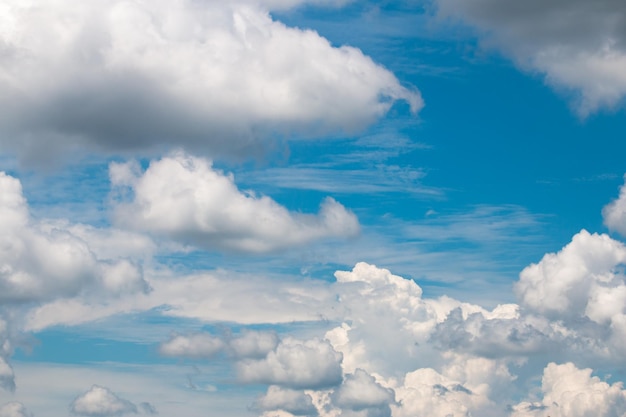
(316, 208)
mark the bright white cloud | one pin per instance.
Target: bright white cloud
(561, 284)
(101, 402)
(572, 392)
(14, 409)
(585, 52)
(185, 198)
(210, 76)
(614, 213)
(309, 364)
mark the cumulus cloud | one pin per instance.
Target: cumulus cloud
(573, 282)
(42, 260)
(614, 213)
(360, 392)
(14, 409)
(585, 52)
(210, 76)
(296, 364)
(101, 402)
(184, 197)
(572, 392)
(294, 402)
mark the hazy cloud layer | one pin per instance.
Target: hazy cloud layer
(185, 198)
(109, 75)
(578, 45)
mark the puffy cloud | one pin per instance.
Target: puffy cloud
(572, 392)
(426, 392)
(614, 213)
(294, 402)
(200, 345)
(310, 364)
(14, 409)
(42, 260)
(360, 391)
(584, 52)
(209, 76)
(253, 344)
(573, 282)
(101, 402)
(184, 197)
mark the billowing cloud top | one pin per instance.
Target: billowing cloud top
(209, 76)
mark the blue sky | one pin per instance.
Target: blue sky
(312, 208)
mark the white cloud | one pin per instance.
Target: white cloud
(253, 344)
(570, 283)
(43, 260)
(101, 402)
(614, 213)
(14, 409)
(211, 76)
(310, 364)
(294, 402)
(585, 52)
(185, 198)
(360, 391)
(199, 345)
(572, 392)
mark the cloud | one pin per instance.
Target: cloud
(572, 283)
(120, 76)
(14, 409)
(193, 346)
(572, 392)
(184, 197)
(310, 364)
(43, 259)
(360, 391)
(7, 376)
(101, 402)
(253, 344)
(614, 213)
(294, 402)
(585, 52)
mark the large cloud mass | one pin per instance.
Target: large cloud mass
(185, 198)
(578, 44)
(207, 75)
